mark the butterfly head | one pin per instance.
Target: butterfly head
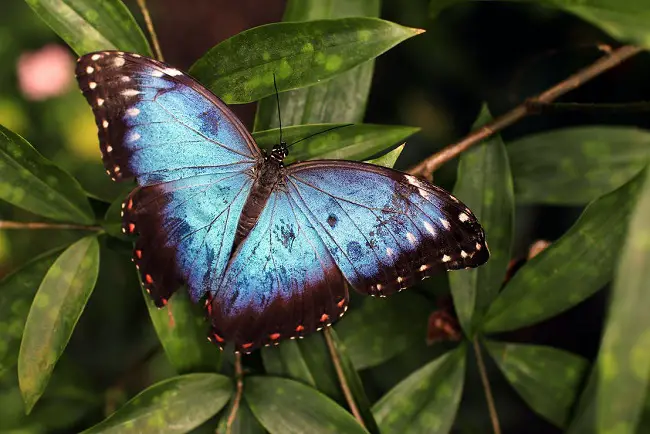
(279, 152)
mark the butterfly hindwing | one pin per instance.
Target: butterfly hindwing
(156, 123)
(281, 282)
(386, 230)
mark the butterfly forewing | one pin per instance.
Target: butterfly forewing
(385, 229)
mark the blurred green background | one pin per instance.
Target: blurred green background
(501, 53)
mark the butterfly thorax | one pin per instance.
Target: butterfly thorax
(269, 172)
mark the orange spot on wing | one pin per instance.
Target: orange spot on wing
(218, 338)
(138, 254)
(247, 345)
(299, 328)
(274, 336)
(131, 227)
(164, 302)
(148, 278)
(341, 303)
(130, 205)
(324, 317)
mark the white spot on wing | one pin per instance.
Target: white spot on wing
(130, 92)
(463, 253)
(105, 123)
(429, 228)
(478, 246)
(134, 137)
(446, 258)
(172, 71)
(92, 85)
(125, 78)
(90, 70)
(156, 73)
(96, 56)
(133, 112)
(119, 61)
(463, 217)
(445, 223)
(109, 149)
(423, 267)
(410, 237)
(389, 251)
(100, 102)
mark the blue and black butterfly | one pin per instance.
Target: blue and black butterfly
(268, 248)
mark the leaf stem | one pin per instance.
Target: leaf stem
(152, 32)
(494, 417)
(41, 225)
(605, 63)
(336, 360)
(239, 380)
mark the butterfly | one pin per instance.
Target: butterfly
(269, 249)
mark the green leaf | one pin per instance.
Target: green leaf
(341, 99)
(485, 185)
(17, 291)
(285, 406)
(427, 400)
(176, 405)
(623, 20)
(354, 142)
(572, 166)
(112, 223)
(58, 304)
(388, 159)
(354, 383)
(571, 269)
(546, 378)
(241, 69)
(623, 365)
(244, 423)
(380, 329)
(31, 182)
(183, 330)
(90, 25)
(306, 360)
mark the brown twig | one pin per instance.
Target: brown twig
(41, 225)
(239, 380)
(496, 427)
(605, 63)
(336, 360)
(154, 38)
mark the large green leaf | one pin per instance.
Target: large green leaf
(572, 166)
(241, 69)
(623, 365)
(484, 184)
(382, 328)
(183, 330)
(176, 405)
(306, 360)
(571, 269)
(342, 99)
(31, 182)
(354, 383)
(354, 142)
(388, 159)
(427, 400)
(91, 25)
(285, 406)
(623, 20)
(58, 304)
(546, 378)
(17, 291)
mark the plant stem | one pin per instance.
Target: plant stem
(239, 379)
(154, 38)
(605, 63)
(496, 427)
(40, 225)
(336, 360)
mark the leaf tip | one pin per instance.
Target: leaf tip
(417, 31)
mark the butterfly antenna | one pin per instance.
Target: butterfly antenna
(320, 132)
(277, 100)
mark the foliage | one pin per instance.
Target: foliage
(373, 372)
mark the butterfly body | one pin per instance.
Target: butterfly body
(269, 249)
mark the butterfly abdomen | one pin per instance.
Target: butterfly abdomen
(268, 174)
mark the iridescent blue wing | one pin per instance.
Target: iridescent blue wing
(192, 158)
(385, 229)
(281, 282)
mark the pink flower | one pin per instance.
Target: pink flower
(45, 73)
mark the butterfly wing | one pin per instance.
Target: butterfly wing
(281, 282)
(192, 158)
(385, 230)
